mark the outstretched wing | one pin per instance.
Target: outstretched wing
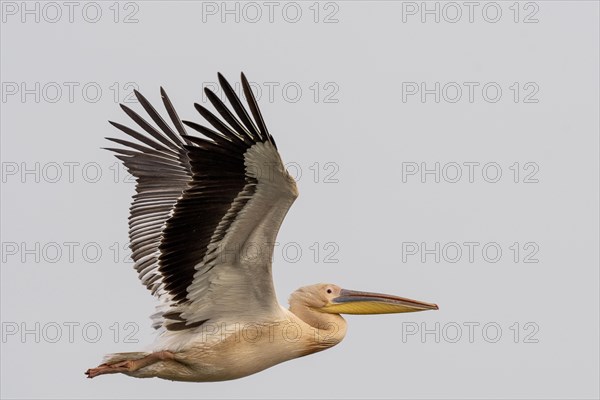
(206, 211)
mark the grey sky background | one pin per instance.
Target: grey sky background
(348, 90)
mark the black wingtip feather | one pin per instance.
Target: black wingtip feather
(166, 129)
(125, 108)
(151, 130)
(240, 110)
(236, 127)
(172, 113)
(252, 103)
(232, 136)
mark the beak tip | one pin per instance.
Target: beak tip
(435, 307)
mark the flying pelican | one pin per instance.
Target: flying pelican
(202, 228)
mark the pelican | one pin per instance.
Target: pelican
(202, 208)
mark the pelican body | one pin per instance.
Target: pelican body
(202, 207)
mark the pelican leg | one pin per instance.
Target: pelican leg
(129, 366)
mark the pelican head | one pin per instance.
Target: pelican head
(321, 306)
(332, 299)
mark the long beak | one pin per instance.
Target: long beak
(354, 302)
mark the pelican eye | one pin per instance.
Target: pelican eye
(328, 290)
